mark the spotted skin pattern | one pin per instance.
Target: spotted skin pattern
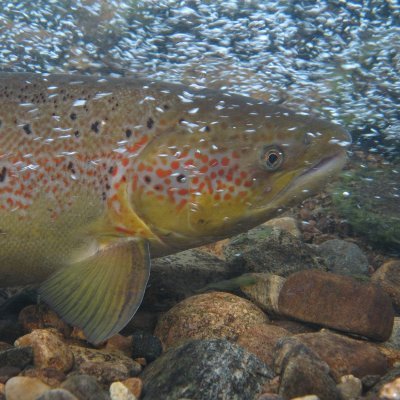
(187, 164)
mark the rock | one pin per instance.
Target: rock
(10, 330)
(338, 302)
(145, 345)
(135, 385)
(143, 320)
(119, 391)
(394, 340)
(84, 387)
(209, 315)
(24, 388)
(391, 390)
(106, 366)
(16, 357)
(261, 340)
(205, 369)
(387, 276)
(345, 356)
(120, 343)
(392, 355)
(287, 224)
(50, 376)
(293, 326)
(57, 394)
(303, 372)
(265, 292)
(42, 317)
(177, 276)
(270, 396)
(391, 376)
(343, 257)
(49, 351)
(8, 372)
(253, 251)
(350, 387)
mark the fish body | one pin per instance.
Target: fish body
(97, 175)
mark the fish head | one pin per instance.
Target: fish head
(217, 172)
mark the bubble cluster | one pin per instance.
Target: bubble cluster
(339, 59)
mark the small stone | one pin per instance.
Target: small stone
(209, 315)
(118, 391)
(261, 340)
(391, 390)
(350, 387)
(265, 292)
(270, 396)
(338, 302)
(387, 276)
(394, 340)
(308, 397)
(84, 387)
(303, 373)
(344, 355)
(8, 372)
(145, 345)
(42, 317)
(106, 366)
(204, 370)
(49, 351)
(135, 385)
(50, 376)
(343, 257)
(287, 224)
(24, 388)
(57, 394)
(16, 357)
(120, 343)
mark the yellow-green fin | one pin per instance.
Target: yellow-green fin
(102, 293)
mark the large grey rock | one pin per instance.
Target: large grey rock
(203, 370)
(343, 257)
(177, 276)
(265, 249)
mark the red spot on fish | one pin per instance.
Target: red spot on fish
(125, 162)
(163, 173)
(227, 196)
(225, 161)
(203, 169)
(235, 154)
(213, 162)
(175, 164)
(183, 192)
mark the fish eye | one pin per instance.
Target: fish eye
(272, 158)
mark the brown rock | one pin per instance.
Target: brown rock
(265, 292)
(50, 376)
(106, 366)
(293, 326)
(287, 224)
(8, 372)
(49, 351)
(345, 356)
(120, 343)
(337, 302)
(392, 355)
(303, 373)
(42, 317)
(261, 340)
(207, 316)
(24, 388)
(135, 385)
(388, 278)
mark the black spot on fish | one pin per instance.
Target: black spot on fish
(95, 127)
(207, 128)
(3, 174)
(1, 123)
(70, 166)
(147, 179)
(73, 116)
(110, 170)
(108, 187)
(104, 196)
(27, 129)
(182, 120)
(76, 133)
(181, 178)
(150, 123)
(128, 133)
(166, 107)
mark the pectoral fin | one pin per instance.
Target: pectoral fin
(102, 293)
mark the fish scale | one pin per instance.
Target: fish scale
(98, 175)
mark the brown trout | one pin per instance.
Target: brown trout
(97, 175)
